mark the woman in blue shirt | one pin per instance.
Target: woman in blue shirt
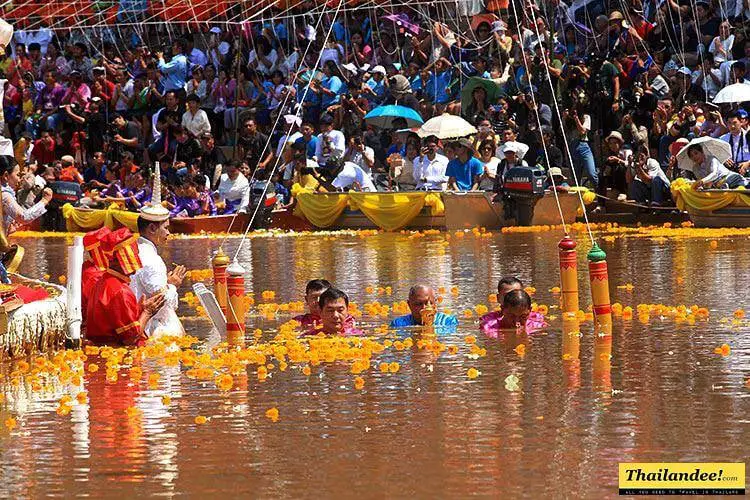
(330, 87)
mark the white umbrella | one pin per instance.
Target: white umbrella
(717, 148)
(446, 126)
(737, 92)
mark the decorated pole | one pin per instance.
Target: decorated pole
(236, 304)
(600, 290)
(219, 264)
(568, 275)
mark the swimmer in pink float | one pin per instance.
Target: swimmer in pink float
(490, 322)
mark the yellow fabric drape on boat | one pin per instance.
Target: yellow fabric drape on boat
(88, 220)
(686, 197)
(321, 210)
(389, 211)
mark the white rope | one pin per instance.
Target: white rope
(296, 115)
(544, 146)
(565, 140)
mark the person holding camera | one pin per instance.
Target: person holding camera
(358, 153)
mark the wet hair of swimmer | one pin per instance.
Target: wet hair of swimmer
(317, 285)
(517, 298)
(330, 295)
(510, 281)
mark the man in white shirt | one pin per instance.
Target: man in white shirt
(293, 123)
(738, 141)
(153, 278)
(359, 154)
(429, 169)
(345, 175)
(329, 141)
(234, 190)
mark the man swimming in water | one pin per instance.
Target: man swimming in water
(422, 298)
(490, 322)
(334, 312)
(310, 321)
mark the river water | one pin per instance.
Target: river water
(428, 430)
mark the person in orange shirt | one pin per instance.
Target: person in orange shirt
(113, 315)
(69, 172)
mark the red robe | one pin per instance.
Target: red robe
(90, 274)
(113, 311)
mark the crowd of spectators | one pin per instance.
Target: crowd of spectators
(602, 89)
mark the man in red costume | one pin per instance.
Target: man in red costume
(113, 315)
(95, 265)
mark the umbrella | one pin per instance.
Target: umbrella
(493, 88)
(737, 92)
(721, 150)
(517, 147)
(446, 126)
(383, 116)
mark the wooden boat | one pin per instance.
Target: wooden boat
(731, 216)
(463, 210)
(735, 214)
(209, 224)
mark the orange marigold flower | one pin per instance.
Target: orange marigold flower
(520, 350)
(166, 400)
(200, 420)
(93, 368)
(359, 382)
(739, 314)
(82, 397)
(472, 373)
(394, 367)
(272, 414)
(723, 349)
(10, 423)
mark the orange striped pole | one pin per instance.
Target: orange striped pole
(568, 275)
(236, 305)
(219, 264)
(599, 277)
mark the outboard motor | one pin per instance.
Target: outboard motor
(268, 202)
(62, 192)
(522, 188)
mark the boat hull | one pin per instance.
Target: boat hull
(726, 217)
(462, 211)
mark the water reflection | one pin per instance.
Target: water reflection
(649, 392)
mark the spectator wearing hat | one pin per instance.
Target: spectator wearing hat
(556, 180)
(69, 171)
(400, 92)
(341, 175)
(465, 170)
(375, 89)
(614, 160)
